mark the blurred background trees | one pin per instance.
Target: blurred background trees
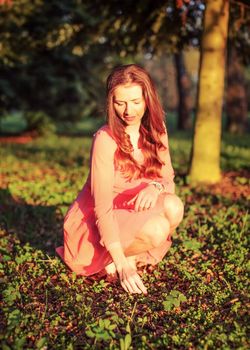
(41, 67)
(55, 56)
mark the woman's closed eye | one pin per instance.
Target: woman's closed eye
(119, 103)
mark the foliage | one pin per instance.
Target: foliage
(63, 50)
(55, 55)
(40, 68)
(39, 122)
(239, 28)
(197, 295)
(173, 300)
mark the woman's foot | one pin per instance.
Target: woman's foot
(111, 273)
(111, 269)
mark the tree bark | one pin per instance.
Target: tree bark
(205, 156)
(236, 97)
(183, 88)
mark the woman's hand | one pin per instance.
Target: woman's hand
(146, 198)
(130, 280)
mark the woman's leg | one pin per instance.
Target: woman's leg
(153, 233)
(173, 210)
(156, 230)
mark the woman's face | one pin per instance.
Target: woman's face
(129, 103)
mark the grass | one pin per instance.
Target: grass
(198, 295)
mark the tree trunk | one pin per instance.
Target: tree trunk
(184, 89)
(236, 97)
(205, 159)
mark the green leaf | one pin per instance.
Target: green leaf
(182, 297)
(14, 319)
(122, 344)
(19, 343)
(10, 295)
(78, 297)
(112, 326)
(101, 324)
(6, 258)
(106, 323)
(173, 299)
(128, 341)
(64, 277)
(174, 293)
(176, 302)
(41, 342)
(90, 334)
(167, 305)
(192, 244)
(128, 329)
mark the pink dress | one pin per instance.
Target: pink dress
(100, 215)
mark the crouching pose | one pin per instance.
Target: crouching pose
(127, 210)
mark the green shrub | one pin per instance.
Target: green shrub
(40, 122)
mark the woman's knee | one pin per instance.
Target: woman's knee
(173, 209)
(156, 230)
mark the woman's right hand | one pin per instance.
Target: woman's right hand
(130, 280)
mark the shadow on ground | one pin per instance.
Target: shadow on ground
(40, 226)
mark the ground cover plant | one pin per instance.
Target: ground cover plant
(198, 295)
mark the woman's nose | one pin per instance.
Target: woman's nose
(128, 109)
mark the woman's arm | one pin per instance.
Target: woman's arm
(167, 171)
(102, 183)
(148, 196)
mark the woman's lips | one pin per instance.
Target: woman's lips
(129, 118)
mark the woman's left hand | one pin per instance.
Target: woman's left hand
(145, 199)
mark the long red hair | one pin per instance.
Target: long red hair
(151, 128)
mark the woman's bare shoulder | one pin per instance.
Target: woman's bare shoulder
(103, 137)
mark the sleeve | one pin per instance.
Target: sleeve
(167, 171)
(102, 182)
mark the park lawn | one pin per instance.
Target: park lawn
(197, 296)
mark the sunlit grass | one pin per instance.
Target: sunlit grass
(197, 295)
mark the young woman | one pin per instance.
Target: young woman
(127, 209)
